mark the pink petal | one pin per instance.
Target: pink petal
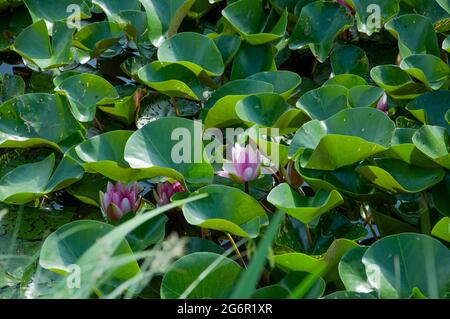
(125, 205)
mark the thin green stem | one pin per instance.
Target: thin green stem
(368, 221)
(236, 249)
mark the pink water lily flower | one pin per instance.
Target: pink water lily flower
(383, 104)
(119, 200)
(165, 191)
(245, 165)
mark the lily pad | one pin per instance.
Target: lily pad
(349, 59)
(442, 229)
(249, 19)
(396, 176)
(304, 208)
(364, 96)
(352, 271)
(409, 42)
(440, 196)
(284, 82)
(84, 92)
(430, 108)
(164, 17)
(395, 265)
(37, 119)
(434, 141)
(311, 29)
(194, 51)
(31, 181)
(396, 82)
(324, 102)
(172, 79)
(170, 143)
(428, 69)
(226, 209)
(34, 44)
(324, 265)
(330, 144)
(217, 273)
(365, 14)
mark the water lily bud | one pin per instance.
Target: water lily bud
(119, 200)
(383, 104)
(292, 176)
(245, 165)
(165, 191)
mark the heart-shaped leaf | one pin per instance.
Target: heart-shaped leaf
(104, 154)
(251, 59)
(193, 50)
(31, 181)
(430, 108)
(164, 17)
(395, 265)
(311, 30)
(409, 42)
(349, 59)
(331, 144)
(35, 45)
(226, 209)
(428, 69)
(364, 96)
(284, 82)
(37, 119)
(217, 273)
(324, 102)
(170, 143)
(249, 19)
(304, 208)
(442, 229)
(56, 11)
(352, 271)
(434, 141)
(172, 79)
(396, 176)
(84, 92)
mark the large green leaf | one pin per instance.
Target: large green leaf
(396, 82)
(251, 59)
(284, 82)
(344, 179)
(428, 69)
(442, 229)
(430, 108)
(35, 45)
(63, 248)
(346, 80)
(395, 265)
(170, 143)
(434, 141)
(396, 176)
(222, 104)
(352, 271)
(226, 209)
(364, 96)
(324, 265)
(113, 7)
(409, 41)
(311, 29)
(200, 275)
(265, 109)
(104, 154)
(31, 181)
(330, 144)
(53, 11)
(324, 102)
(95, 38)
(249, 19)
(37, 119)
(164, 17)
(84, 92)
(365, 14)
(349, 59)
(193, 50)
(304, 208)
(172, 79)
